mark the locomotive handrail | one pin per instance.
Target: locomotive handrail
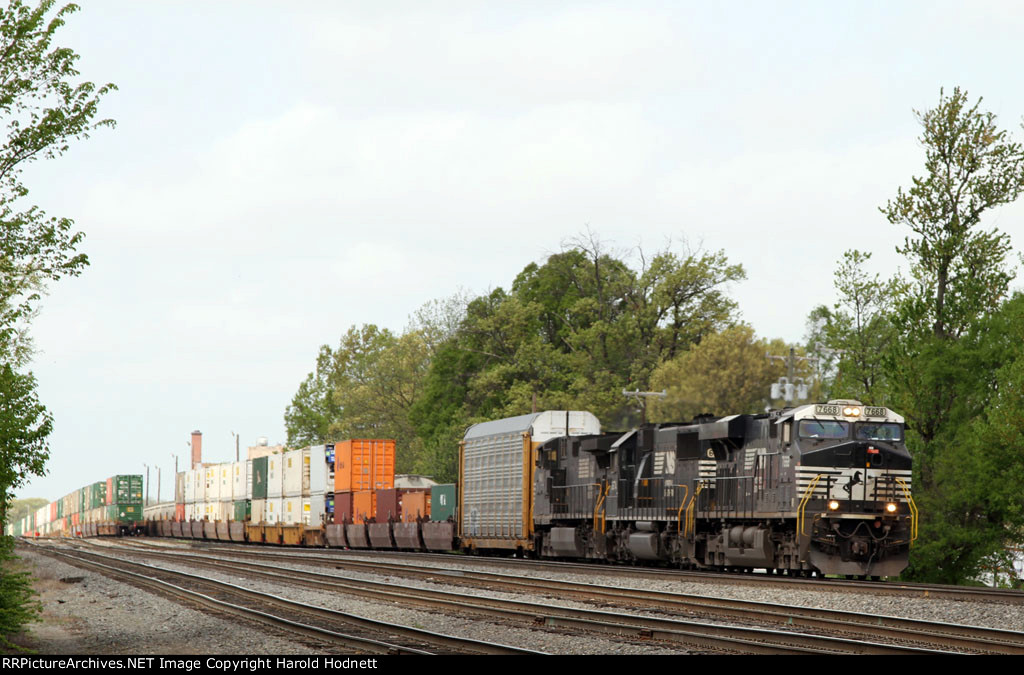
(691, 518)
(602, 492)
(913, 510)
(682, 503)
(808, 492)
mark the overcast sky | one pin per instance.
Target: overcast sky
(282, 171)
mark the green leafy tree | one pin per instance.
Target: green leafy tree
(43, 108)
(726, 373)
(852, 337)
(944, 363)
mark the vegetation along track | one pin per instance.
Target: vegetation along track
(691, 633)
(362, 634)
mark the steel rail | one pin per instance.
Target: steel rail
(977, 638)
(691, 633)
(366, 644)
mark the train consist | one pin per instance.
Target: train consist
(109, 507)
(819, 488)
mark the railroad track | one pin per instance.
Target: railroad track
(690, 633)
(224, 597)
(887, 588)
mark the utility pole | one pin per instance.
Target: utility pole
(147, 483)
(787, 388)
(641, 399)
(158, 473)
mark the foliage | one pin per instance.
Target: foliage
(726, 373)
(972, 506)
(18, 606)
(853, 336)
(363, 389)
(953, 337)
(19, 508)
(42, 109)
(972, 166)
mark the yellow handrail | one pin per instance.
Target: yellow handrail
(803, 504)
(691, 519)
(602, 493)
(913, 509)
(679, 514)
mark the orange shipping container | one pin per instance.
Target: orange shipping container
(415, 505)
(364, 464)
(364, 506)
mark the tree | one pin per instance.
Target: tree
(726, 374)
(857, 331)
(945, 359)
(972, 167)
(42, 109)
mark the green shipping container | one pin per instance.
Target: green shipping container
(442, 502)
(259, 478)
(129, 512)
(242, 511)
(127, 489)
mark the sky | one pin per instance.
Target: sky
(282, 171)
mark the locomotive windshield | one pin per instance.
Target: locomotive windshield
(823, 429)
(878, 432)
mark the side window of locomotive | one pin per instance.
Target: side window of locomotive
(787, 431)
(878, 432)
(824, 429)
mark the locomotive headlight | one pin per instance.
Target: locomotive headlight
(851, 411)
(833, 505)
(890, 507)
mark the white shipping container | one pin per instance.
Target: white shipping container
(313, 510)
(293, 472)
(224, 473)
(212, 482)
(291, 510)
(319, 473)
(275, 476)
(248, 479)
(199, 476)
(272, 512)
(223, 511)
(256, 513)
(190, 487)
(237, 480)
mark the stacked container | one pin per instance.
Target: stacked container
(361, 467)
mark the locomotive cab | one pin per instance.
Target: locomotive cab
(855, 513)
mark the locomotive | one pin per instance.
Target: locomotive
(814, 489)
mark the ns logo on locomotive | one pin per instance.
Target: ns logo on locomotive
(819, 488)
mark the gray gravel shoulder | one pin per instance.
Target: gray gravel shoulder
(86, 613)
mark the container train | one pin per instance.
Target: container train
(816, 489)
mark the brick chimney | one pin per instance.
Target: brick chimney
(197, 448)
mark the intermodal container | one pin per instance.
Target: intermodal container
(259, 478)
(364, 505)
(387, 508)
(364, 464)
(342, 507)
(242, 510)
(442, 502)
(415, 505)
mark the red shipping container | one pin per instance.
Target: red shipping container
(388, 508)
(110, 491)
(179, 512)
(342, 507)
